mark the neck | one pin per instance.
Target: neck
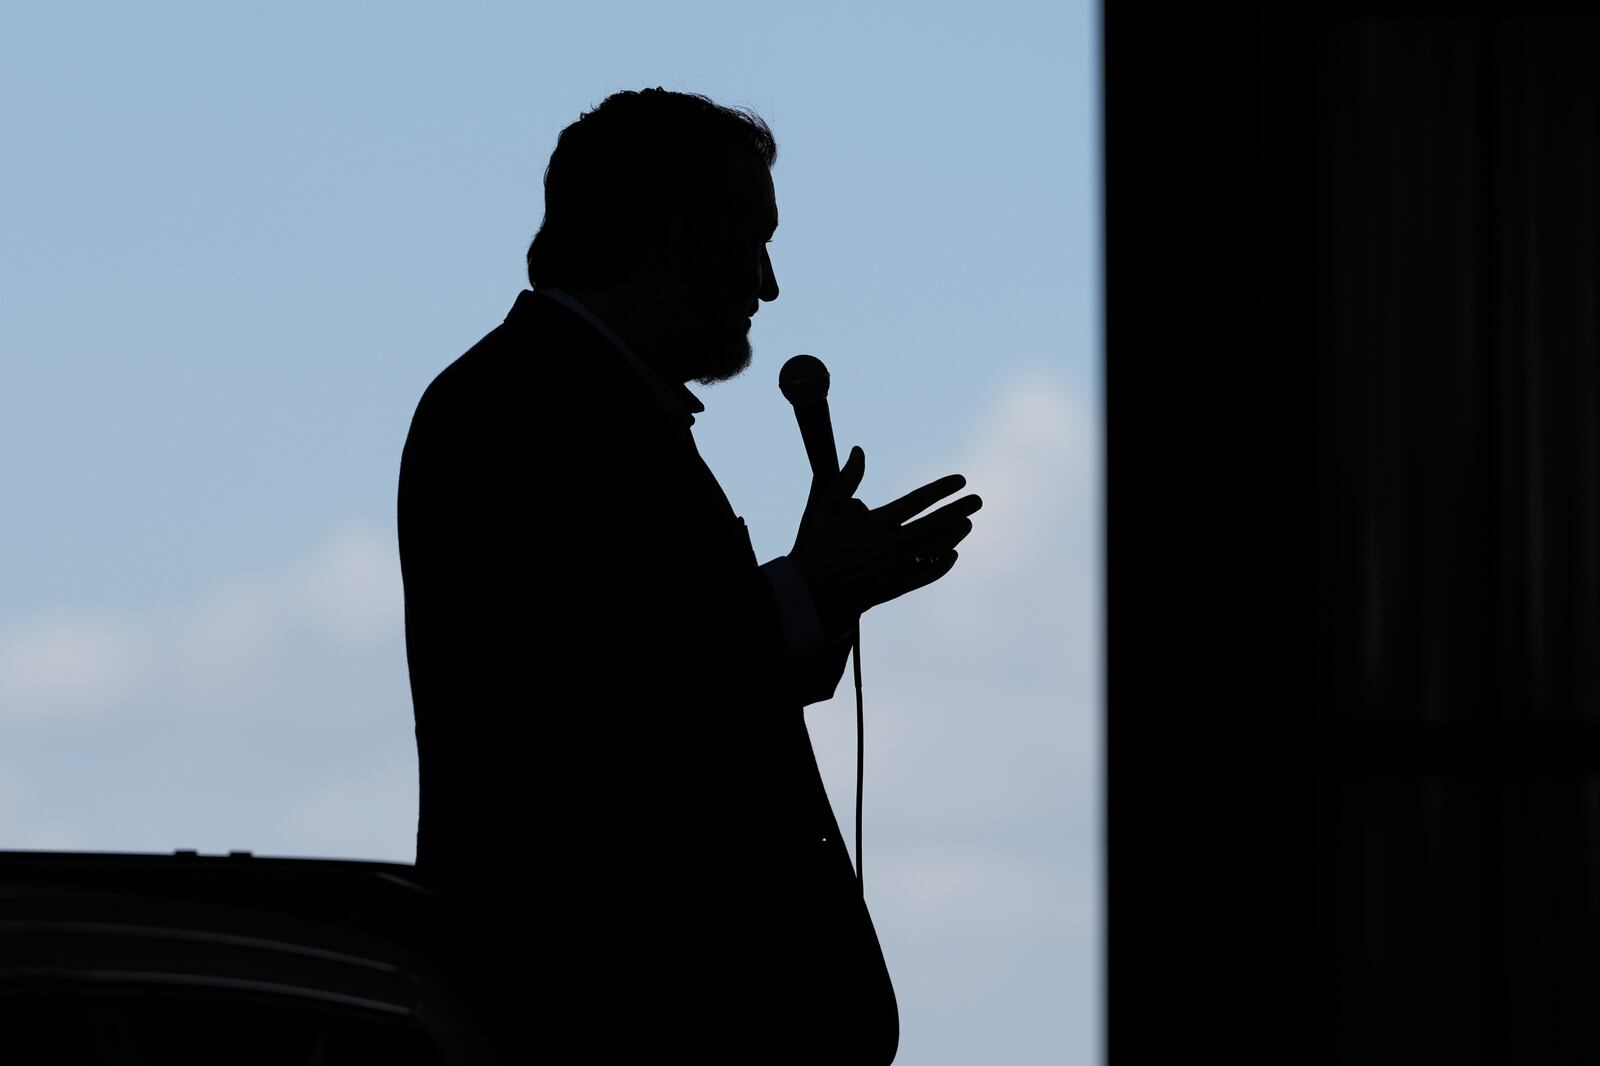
(635, 312)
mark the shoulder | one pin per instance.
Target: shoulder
(542, 359)
(541, 384)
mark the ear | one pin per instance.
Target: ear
(654, 246)
(673, 237)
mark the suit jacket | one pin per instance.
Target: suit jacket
(615, 769)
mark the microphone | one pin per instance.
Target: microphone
(804, 383)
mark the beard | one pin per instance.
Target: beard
(726, 361)
(712, 353)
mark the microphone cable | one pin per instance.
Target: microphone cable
(861, 733)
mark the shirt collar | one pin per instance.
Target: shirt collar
(675, 400)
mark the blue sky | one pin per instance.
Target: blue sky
(240, 240)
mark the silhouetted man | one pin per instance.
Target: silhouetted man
(617, 782)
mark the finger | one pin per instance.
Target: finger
(949, 521)
(850, 475)
(957, 533)
(916, 501)
(967, 505)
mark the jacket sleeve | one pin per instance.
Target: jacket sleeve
(813, 660)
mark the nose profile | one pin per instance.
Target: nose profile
(769, 285)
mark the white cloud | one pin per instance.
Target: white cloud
(68, 667)
(1034, 462)
(271, 714)
(288, 642)
(350, 593)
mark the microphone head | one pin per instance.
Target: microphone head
(803, 379)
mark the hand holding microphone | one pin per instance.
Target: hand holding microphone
(853, 557)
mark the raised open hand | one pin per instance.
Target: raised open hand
(853, 557)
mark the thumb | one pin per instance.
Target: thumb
(850, 474)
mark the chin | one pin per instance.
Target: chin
(728, 365)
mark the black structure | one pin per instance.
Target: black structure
(1353, 500)
(111, 959)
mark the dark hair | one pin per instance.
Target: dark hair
(617, 170)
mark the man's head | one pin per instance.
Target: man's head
(658, 207)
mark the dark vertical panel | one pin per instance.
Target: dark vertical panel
(1353, 507)
(1400, 382)
(1183, 852)
(1418, 937)
(1455, 543)
(1288, 627)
